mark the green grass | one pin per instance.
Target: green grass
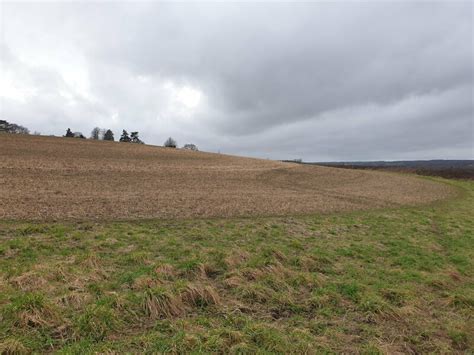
(369, 282)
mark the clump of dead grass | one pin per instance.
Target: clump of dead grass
(29, 281)
(79, 283)
(238, 257)
(3, 284)
(254, 292)
(92, 261)
(277, 254)
(200, 295)
(276, 270)
(165, 271)
(12, 347)
(95, 266)
(75, 299)
(206, 270)
(32, 311)
(160, 303)
(234, 281)
(145, 282)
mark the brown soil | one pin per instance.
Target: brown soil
(47, 178)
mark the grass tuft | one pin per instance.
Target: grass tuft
(12, 347)
(75, 300)
(97, 322)
(200, 296)
(29, 281)
(165, 272)
(160, 303)
(31, 310)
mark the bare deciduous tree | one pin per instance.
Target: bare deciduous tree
(95, 133)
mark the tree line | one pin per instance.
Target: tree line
(107, 135)
(96, 134)
(6, 127)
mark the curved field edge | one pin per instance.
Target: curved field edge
(452, 192)
(385, 281)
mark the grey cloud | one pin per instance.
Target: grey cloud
(264, 66)
(320, 80)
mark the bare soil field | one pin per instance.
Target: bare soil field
(48, 178)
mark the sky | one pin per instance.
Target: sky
(318, 81)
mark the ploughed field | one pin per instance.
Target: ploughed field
(48, 178)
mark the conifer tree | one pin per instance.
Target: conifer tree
(134, 138)
(109, 135)
(170, 143)
(125, 137)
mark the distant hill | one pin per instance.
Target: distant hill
(432, 164)
(461, 169)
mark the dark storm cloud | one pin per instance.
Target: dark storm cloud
(317, 81)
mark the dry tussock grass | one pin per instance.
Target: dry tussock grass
(29, 281)
(3, 284)
(276, 270)
(237, 258)
(145, 282)
(95, 267)
(42, 316)
(166, 271)
(12, 347)
(160, 303)
(200, 295)
(234, 281)
(75, 300)
(207, 271)
(36, 318)
(55, 178)
(92, 262)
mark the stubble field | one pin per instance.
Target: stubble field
(47, 178)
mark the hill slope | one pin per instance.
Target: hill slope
(57, 178)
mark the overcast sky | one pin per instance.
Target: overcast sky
(319, 81)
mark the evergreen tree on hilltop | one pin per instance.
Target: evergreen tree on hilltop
(109, 135)
(134, 138)
(125, 137)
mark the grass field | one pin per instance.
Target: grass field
(48, 178)
(381, 281)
